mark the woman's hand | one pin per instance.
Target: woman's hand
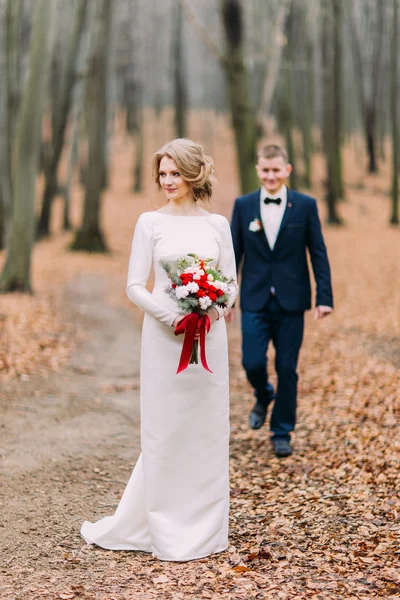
(213, 315)
(175, 323)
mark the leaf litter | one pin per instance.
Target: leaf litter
(321, 524)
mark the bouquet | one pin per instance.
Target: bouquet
(196, 287)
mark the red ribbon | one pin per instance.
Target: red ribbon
(189, 325)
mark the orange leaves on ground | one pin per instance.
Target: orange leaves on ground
(35, 337)
(323, 523)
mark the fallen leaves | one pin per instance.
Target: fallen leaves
(240, 569)
(322, 524)
(161, 579)
(35, 336)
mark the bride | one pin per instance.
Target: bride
(176, 503)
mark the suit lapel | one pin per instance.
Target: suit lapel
(286, 215)
(261, 236)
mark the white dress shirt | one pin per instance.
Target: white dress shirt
(272, 214)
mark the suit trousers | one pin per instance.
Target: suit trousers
(285, 329)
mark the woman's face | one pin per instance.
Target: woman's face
(174, 186)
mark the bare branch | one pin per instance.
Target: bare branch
(195, 22)
(273, 70)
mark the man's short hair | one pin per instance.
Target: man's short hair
(273, 151)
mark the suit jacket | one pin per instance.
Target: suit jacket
(285, 267)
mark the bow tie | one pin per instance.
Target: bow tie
(273, 201)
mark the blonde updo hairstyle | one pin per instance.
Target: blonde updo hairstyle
(194, 166)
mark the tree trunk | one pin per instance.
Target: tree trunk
(10, 43)
(271, 74)
(14, 11)
(337, 8)
(369, 105)
(307, 111)
(139, 153)
(78, 109)
(285, 121)
(243, 118)
(394, 219)
(179, 76)
(5, 183)
(370, 135)
(285, 101)
(90, 237)
(72, 160)
(330, 73)
(16, 272)
(136, 100)
(61, 111)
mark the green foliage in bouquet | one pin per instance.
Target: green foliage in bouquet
(168, 269)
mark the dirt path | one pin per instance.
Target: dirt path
(65, 437)
(324, 523)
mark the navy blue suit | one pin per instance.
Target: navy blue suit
(278, 317)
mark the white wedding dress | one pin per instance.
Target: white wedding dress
(176, 503)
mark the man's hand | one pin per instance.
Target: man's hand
(230, 315)
(213, 315)
(322, 311)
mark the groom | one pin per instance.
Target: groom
(271, 229)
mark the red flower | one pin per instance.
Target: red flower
(212, 296)
(220, 292)
(173, 285)
(200, 294)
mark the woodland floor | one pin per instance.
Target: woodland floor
(324, 523)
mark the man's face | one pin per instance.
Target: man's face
(272, 173)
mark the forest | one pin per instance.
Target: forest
(90, 90)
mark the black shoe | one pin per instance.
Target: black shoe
(257, 415)
(259, 410)
(282, 447)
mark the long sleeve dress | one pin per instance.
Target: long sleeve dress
(176, 503)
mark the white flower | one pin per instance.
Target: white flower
(196, 276)
(181, 292)
(255, 225)
(200, 272)
(192, 287)
(210, 277)
(205, 303)
(217, 284)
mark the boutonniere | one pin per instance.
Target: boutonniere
(255, 225)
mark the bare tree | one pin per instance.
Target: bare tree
(16, 272)
(180, 94)
(10, 51)
(394, 219)
(331, 125)
(60, 112)
(272, 70)
(77, 110)
(368, 101)
(305, 85)
(242, 111)
(285, 96)
(233, 62)
(90, 236)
